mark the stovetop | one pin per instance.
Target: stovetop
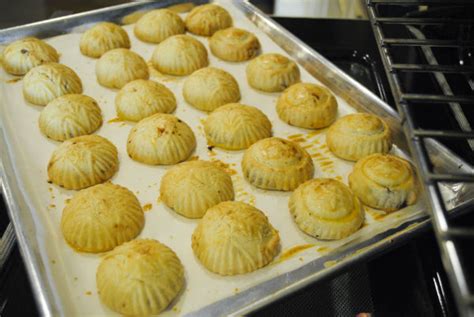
(408, 281)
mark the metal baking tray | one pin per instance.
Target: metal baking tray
(249, 299)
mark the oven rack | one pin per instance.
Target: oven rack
(449, 236)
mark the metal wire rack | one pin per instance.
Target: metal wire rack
(385, 15)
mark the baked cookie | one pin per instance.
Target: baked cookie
(277, 164)
(83, 161)
(235, 238)
(120, 66)
(101, 217)
(191, 188)
(236, 127)
(326, 209)
(179, 55)
(209, 88)
(49, 81)
(272, 73)
(22, 55)
(385, 182)
(234, 45)
(357, 135)
(160, 139)
(142, 98)
(206, 19)
(139, 278)
(103, 37)
(307, 106)
(70, 116)
(157, 25)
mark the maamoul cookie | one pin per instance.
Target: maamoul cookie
(157, 25)
(209, 88)
(120, 66)
(277, 164)
(307, 105)
(191, 188)
(272, 73)
(101, 217)
(236, 127)
(207, 19)
(179, 55)
(142, 98)
(384, 181)
(234, 45)
(160, 139)
(326, 209)
(48, 81)
(235, 238)
(82, 162)
(22, 55)
(103, 37)
(357, 135)
(70, 116)
(139, 278)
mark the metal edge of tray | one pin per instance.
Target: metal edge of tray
(342, 84)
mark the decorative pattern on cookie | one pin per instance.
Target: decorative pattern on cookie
(82, 162)
(385, 182)
(236, 127)
(142, 98)
(272, 73)
(160, 139)
(139, 278)
(179, 55)
(103, 37)
(191, 188)
(70, 116)
(307, 106)
(206, 19)
(234, 45)
(49, 81)
(326, 209)
(235, 238)
(209, 88)
(357, 135)
(277, 164)
(101, 217)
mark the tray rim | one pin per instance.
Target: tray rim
(17, 203)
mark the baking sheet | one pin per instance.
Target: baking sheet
(72, 275)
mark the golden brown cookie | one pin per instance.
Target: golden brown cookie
(120, 66)
(326, 209)
(101, 217)
(235, 238)
(70, 116)
(277, 164)
(357, 135)
(160, 139)
(49, 81)
(272, 73)
(206, 19)
(307, 105)
(103, 37)
(83, 161)
(179, 55)
(157, 25)
(234, 45)
(139, 278)
(191, 188)
(236, 127)
(22, 55)
(209, 88)
(385, 182)
(142, 98)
